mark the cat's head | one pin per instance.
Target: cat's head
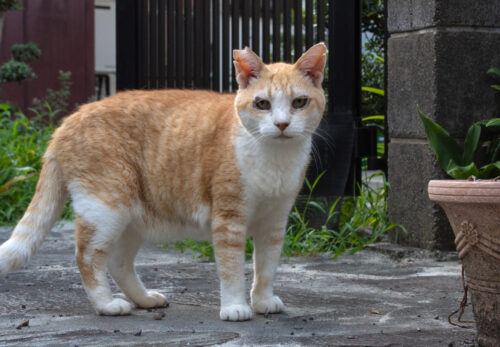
(280, 102)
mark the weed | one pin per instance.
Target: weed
(22, 144)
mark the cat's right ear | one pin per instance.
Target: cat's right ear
(248, 65)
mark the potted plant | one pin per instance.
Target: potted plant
(471, 201)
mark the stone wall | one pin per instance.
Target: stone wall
(437, 58)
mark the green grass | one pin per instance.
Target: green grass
(22, 144)
(358, 222)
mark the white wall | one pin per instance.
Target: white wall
(105, 40)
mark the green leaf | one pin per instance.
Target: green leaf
(444, 146)
(379, 58)
(317, 206)
(374, 117)
(470, 144)
(495, 86)
(494, 70)
(462, 172)
(373, 90)
(491, 170)
(494, 150)
(493, 122)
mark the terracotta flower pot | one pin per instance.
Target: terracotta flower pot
(473, 209)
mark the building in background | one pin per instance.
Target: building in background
(105, 47)
(64, 31)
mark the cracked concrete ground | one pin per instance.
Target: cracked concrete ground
(385, 295)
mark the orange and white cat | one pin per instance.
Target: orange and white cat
(175, 164)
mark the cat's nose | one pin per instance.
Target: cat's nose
(281, 126)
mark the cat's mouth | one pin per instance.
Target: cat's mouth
(283, 136)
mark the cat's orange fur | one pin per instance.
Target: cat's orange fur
(140, 162)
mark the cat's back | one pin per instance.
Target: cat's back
(142, 116)
(136, 137)
(144, 106)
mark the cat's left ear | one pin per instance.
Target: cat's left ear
(248, 65)
(313, 63)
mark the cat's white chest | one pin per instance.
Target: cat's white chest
(268, 170)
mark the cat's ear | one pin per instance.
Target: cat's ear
(248, 65)
(313, 63)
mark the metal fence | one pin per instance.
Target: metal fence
(189, 43)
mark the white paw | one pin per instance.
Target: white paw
(153, 299)
(272, 304)
(116, 307)
(238, 312)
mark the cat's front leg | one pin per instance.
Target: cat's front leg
(268, 243)
(229, 245)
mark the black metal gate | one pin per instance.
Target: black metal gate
(189, 43)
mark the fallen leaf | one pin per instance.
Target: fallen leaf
(24, 323)
(373, 311)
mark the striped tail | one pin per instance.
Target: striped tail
(41, 215)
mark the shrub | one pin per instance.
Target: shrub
(15, 71)
(25, 52)
(9, 5)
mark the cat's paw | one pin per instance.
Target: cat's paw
(271, 304)
(116, 307)
(238, 312)
(151, 300)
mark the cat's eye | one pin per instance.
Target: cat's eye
(300, 102)
(262, 104)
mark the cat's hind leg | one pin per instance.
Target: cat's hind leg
(121, 268)
(94, 243)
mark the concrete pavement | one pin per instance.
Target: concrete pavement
(385, 295)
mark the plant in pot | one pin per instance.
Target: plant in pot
(471, 201)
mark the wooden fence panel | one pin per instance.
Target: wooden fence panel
(64, 31)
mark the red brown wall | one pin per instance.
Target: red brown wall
(64, 31)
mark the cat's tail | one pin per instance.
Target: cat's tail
(41, 215)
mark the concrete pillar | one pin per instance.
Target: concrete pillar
(438, 55)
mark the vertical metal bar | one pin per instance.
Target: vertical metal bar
(128, 38)
(256, 26)
(188, 72)
(245, 24)
(225, 46)
(206, 44)
(143, 44)
(287, 28)
(298, 43)
(161, 44)
(320, 18)
(153, 42)
(235, 18)
(276, 30)
(309, 23)
(198, 43)
(344, 39)
(216, 45)
(266, 38)
(386, 123)
(171, 44)
(179, 48)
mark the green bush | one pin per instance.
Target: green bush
(15, 71)
(55, 102)
(9, 5)
(25, 52)
(22, 144)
